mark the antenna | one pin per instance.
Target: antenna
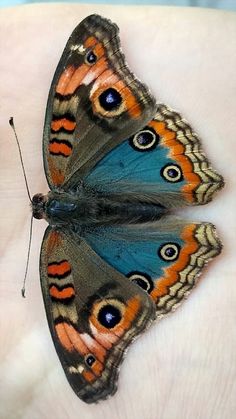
(11, 122)
(28, 256)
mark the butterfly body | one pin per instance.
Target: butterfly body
(88, 209)
(113, 258)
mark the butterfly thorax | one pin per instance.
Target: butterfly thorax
(89, 208)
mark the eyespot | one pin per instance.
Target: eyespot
(109, 316)
(90, 57)
(145, 140)
(169, 251)
(90, 359)
(141, 279)
(110, 99)
(172, 173)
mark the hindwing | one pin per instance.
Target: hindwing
(162, 163)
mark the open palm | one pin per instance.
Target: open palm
(183, 366)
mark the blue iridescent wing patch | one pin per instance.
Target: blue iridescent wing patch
(164, 258)
(163, 162)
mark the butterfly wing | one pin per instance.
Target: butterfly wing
(165, 258)
(93, 94)
(91, 325)
(163, 163)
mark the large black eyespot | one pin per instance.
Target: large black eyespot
(169, 251)
(91, 57)
(90, 359)
(172, 173)
(110, 99)
(145, 140)
(143, 280)
(109, 316)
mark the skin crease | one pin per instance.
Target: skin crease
(184, 366)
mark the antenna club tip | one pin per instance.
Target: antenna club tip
(11, 121)
(23, 292)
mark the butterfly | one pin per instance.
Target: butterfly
(113, 257)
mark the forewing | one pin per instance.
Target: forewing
(94, 103)
(162, 163)
(165, 258)
(93, 313)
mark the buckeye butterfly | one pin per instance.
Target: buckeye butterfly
(113, 259)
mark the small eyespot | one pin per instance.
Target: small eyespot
(109, 316)
(90, 359)
(110, 99)
(169, 251)
(141, 279)
(90, 57)
(172, 173)
(145, 140)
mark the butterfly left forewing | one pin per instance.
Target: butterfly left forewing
(93, 313)
(93, 94)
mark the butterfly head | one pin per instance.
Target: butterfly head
(38, 205)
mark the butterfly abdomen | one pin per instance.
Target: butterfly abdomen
(65, 208)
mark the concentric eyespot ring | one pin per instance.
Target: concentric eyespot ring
(172, 173)
(110, 99)
(90, 58)
(144, 140)
(109, 312)
(89, 360)
(169, 252)
(141, 279)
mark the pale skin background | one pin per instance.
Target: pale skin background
(184, 367)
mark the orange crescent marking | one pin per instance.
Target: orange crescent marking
(62, 294)
(58, 148)
(63, 123)
(168, 139)
(171, 274)
(59, 269)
